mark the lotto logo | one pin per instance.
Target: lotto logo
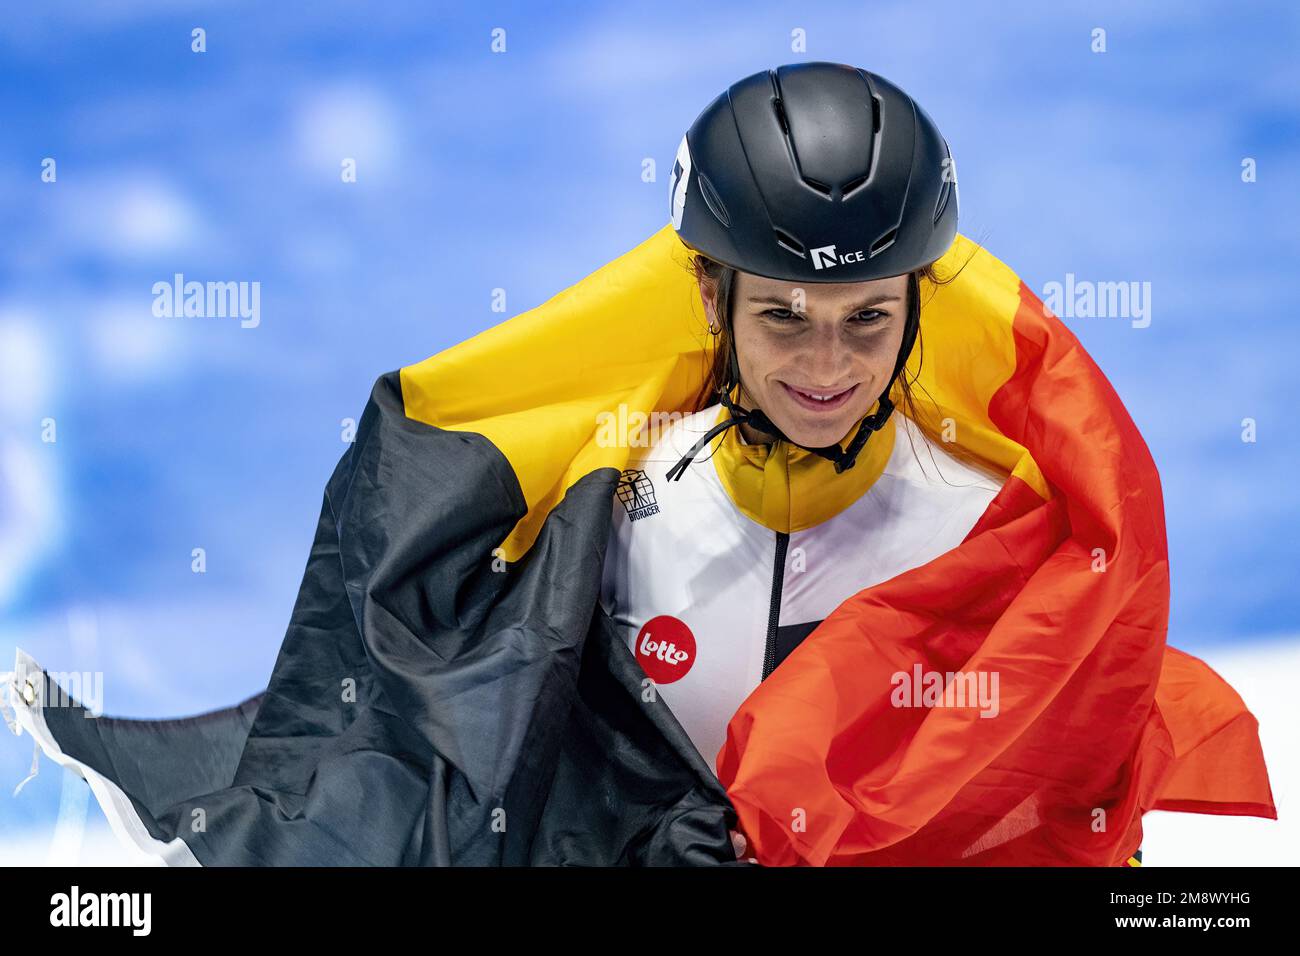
(665, 648)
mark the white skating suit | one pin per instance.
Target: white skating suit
(714, 578)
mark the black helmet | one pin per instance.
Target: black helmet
(815, 172)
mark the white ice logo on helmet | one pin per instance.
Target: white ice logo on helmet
(824, 257)
(678, 182)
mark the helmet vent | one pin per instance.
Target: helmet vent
(713, 200)
(875, 114)
(883, 243)
(789, 242)
(847, 189)
(823, 188)
(779, 107)
(944, 192)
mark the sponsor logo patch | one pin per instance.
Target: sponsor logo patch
(665, 648)
(637, 493)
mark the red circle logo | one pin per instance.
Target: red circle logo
(665, 648)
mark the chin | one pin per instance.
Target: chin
(820, 436)
(816, 428)
(795, 422)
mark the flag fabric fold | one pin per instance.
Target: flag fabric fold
(449, 690)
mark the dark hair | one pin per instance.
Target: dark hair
(721, 279)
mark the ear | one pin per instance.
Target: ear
(708, 295)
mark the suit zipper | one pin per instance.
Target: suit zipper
(774, 611)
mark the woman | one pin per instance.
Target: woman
(809, 257)
(813, 490)
(815, 200)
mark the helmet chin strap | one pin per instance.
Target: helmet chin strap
(843, 458)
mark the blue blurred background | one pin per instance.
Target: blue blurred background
(522, 170)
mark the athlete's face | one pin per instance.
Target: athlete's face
(838, 341)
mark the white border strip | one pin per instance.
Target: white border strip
(117, 807)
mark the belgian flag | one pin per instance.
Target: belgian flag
(450, 691)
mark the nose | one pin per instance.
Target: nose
(828, 359)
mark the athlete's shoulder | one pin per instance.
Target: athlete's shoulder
(644, 488)
(919, 459)
(669, 437)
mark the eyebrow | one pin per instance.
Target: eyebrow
(785, 303)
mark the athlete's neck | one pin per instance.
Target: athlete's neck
(748, 433)
(752, 436)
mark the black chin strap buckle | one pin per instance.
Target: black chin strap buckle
(847, 457)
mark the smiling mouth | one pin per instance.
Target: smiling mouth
(821, 401)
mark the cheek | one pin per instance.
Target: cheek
(880, 362)
(873, 361)
(881, 358)
(758, 362)
(757, 356)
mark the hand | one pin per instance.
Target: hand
(740, 845)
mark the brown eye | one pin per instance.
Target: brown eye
(780, 314)
(870, 317)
